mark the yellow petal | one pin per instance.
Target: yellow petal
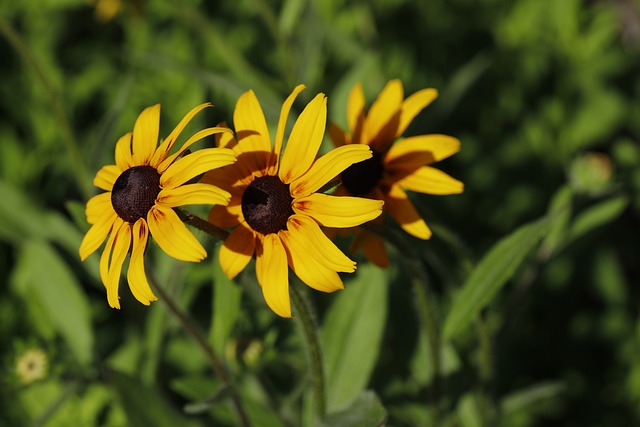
(97, 205)
(124, 159)
(224, 139)
(338, 136)
(304, 141)
(339, 212)
(121, 246)
(403, 211)
(194, 138)
(251, 130)
(193, 194)
(106, 253)
(307, 268)
(431, 181)
(328, 167)
(194, 164)
(272, 167)
(228, 176)
(356, 112)
(173, 236)
(412, 106)
(227, 216)
(410, 153)
(106, 177)
(372, 246)
(272, 272)
(163, 150)
(97, 233)
(237, 250)
(145, 135)
(135, 274)
(311, 240)
(384, 116)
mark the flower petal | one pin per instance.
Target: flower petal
(97, 233)
(227, 216)
(272, 272)
(328, 167)
(135, 274)
(97, 205)
(372, 246)
(307, 267)
(106, 177)
(121, 246)
(310, 238)
(173, 236)
(251, 129)
(430, 180)
(410, 153)
(124, 159)
(338, 136)
(194, 164)
(403, 211)
(272, 167)
(304, 141)
(145, 135)
(412, 106)
(193, 194)
(194, 138)
(339, 212)
(237, 250)
(384, 116)
(356, 112)
(106, 253)
(224, 139)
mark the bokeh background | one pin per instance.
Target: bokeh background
(543, 94)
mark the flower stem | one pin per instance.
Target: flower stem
(201, 224)
(427, 310)
(214, 360)
(313, 345)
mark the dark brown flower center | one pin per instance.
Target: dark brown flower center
(135, 192)
(266, 204)
(360, 178)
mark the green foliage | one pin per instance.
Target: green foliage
(532, 322)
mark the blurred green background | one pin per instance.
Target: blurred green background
(543, 94)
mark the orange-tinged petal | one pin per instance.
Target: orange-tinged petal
(124, 159)
(372, 246)
(135, 274)
(403, 211)
(163, 150)
(410, 153)
(121, 246)
(106, 253)
(194, 164)
(227, 176)
(193, 194)
(412, 106)
(310, 238)
(338, 136)
(356, 112)
(430, 180)
(97, 205)
(339, 212)
(145, 135)
(272, 167)
(307, 268)
(227, 216)
(173, 236)
(304, 141)
(194, 138)
(384, 115)
(328, 167)
(237, 250)
(106, 177)
(97, 233)
(272, 272)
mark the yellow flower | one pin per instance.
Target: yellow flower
(397, 167)
(143, 187)
(275, 206)
(32, 365)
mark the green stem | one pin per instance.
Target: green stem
(202, 225)
(487, 410)
(313, 345)
(69, 139)
(427, 310)
(214, 360)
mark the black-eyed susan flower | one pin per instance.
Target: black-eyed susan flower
(276, 210)
(397, 164)
(143, 187)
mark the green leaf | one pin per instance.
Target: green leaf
(145, 406)
(226, 307)
(596, 216)
(352, 333)
(491, 273)
(365, 411)
(60, 295)
(19, 217)
(521, 400)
